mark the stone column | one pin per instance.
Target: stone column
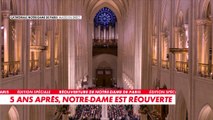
(121, 55)
(71, 56)
(177, 42)
(6, 15)
(139, 52)
(203, 42)
(90, 57)
(18, 44)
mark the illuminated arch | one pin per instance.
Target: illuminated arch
(206, 113)
(13, 113)
(181, 107)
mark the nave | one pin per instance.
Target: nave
(131, 44)
(114, 112)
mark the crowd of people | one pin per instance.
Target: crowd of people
(87, 112)
(115, 112)
(121, 112)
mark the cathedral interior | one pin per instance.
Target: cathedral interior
(122, 44)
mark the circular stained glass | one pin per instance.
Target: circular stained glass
(105, 18)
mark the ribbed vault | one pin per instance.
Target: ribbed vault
(118, 6)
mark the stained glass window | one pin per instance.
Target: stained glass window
(105, 18)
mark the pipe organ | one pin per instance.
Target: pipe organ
(105, 29)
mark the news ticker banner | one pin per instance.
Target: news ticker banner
(87, 97)
(45, 17)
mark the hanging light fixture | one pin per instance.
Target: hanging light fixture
(2, 27)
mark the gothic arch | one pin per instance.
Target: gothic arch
(206, 113)
(104, 64)
(121, 4)
(13, 113)
(204, 8)
(181, 107)
(118, 5)
(106, 4)
(9, 5)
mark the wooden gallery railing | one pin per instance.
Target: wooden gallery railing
(56, 61)
(165, 64)
(34, 65)
(182, 66)
(204, 70)
(48, 63)
(154, 61)
(10, 68)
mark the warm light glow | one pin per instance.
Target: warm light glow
(48, 55)
(154, 48)
(56, 48)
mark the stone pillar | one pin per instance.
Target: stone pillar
(71, 56)
(203, 42)
(137, 71)
(121, 55)
(18, 43)
(6, 15)
(177, 42)
(104, 113)
(90, 57)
